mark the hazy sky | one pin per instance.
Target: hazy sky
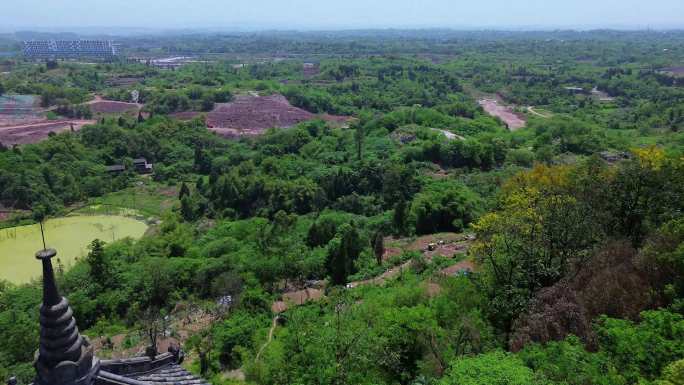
(335, 14)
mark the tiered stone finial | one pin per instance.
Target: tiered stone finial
(64, 356)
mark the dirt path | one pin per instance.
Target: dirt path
(532, 111)
(454, 243)
(446, 245)
(274, 324)
(380, 279)
(47, 123)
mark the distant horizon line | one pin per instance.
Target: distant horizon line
(303, 29)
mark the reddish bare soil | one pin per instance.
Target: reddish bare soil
(422, 243)
(183, 326)
(20, 120)
(279, 307)
(35, 132)
(448, 250)
(251, 115)
(505, 113)
(675, 70)
(391, 252)
(169, 192)
(302, 296)
(310, 70)
(296, 298)
(432, 289)
(461, 266)
(31, 126)
(102, 106)
(112, 107)
(185, 115)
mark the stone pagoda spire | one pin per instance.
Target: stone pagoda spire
(64, 356)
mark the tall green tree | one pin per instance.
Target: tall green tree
(359, 139)
(378, 247)
(100, 267)
(184, 191)
(400, 217)
(187, 208)
(487, 369)
(202, 161)
(343, 250)
(491, 368)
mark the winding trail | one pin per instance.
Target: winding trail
(460, 244)
(274, 324)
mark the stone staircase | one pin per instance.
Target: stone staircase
(171, 375)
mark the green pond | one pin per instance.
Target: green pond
(70, 236)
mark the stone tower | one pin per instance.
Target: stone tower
(64, 357)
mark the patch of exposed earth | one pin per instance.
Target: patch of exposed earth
(29, 125)
(296, 298)
(252, 115)
(20, 120)
(38, 131)
(113, 107)
(100, 105)
(496, 108)
(458, 268)
(184, 323)
(674, 71)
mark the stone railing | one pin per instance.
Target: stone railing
(138, 365)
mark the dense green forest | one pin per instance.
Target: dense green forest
(579, 257)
